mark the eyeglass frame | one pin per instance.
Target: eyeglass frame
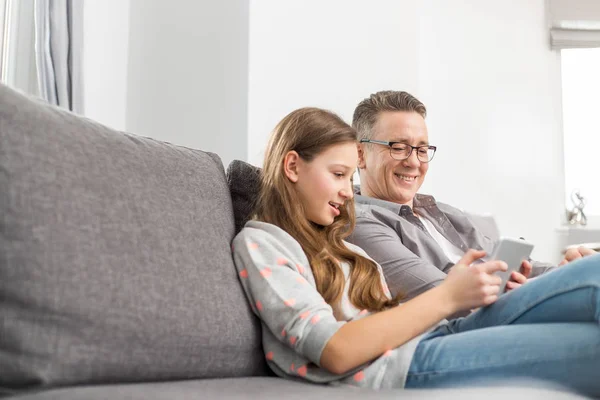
(390, 144)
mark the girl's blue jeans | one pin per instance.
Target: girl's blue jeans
(546, 330)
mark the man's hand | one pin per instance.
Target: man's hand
(517, 279)
(574, 254)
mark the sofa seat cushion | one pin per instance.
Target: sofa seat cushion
(277, 389)
(115, 258)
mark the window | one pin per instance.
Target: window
(3, 6)
(581, 125)
(17, 62)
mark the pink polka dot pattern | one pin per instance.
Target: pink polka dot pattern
(302, 370)
(259, 306)
(253, 246)
(301, 280)
(304, 315)
(292, 367)
(293, 340)
(265, 272)
(244, 273)
(315, 319)
(359, 376)
(387, 353)
(282, 261)
(289, 302)
(283, 332)
(363, 312)
(300, 268)
(269, 356)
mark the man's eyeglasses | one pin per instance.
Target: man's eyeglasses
(401, 151)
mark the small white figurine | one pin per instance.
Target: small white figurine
(576, 216)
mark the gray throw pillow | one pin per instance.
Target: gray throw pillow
(244, 185)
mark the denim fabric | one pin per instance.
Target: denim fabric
(546, 330)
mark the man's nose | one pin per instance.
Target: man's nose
(412, 160)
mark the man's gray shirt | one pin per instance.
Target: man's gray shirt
(412, 261)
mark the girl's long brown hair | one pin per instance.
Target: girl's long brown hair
(309, 132)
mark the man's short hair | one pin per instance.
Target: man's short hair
(365, 114)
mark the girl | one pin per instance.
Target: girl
(326, 312)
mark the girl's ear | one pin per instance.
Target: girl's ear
(361, 156)
(290, 165)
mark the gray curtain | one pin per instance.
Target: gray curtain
(58, 52)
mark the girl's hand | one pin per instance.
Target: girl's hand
(471, 286)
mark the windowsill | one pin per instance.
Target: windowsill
(587, 227)
(580, 235)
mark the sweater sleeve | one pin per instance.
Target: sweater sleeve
(273, 270)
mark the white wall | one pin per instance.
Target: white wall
(105, 58)
(493, 91)
(328, 54)
(188, 73)
(483, 68)
(176, 71)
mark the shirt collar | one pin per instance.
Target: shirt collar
(420, 201)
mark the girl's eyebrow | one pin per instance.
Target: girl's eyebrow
(341, 165)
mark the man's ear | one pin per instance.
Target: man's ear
(361, 156)
(290, 165)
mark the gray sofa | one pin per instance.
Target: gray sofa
(116, 275)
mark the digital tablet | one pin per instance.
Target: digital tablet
(512, 252)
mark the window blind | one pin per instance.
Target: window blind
(574, 23)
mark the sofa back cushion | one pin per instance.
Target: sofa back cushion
(115, 261)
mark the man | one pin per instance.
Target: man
(415, 239)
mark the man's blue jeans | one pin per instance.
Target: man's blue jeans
(546, 330)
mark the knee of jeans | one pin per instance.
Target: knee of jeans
(587, 268)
